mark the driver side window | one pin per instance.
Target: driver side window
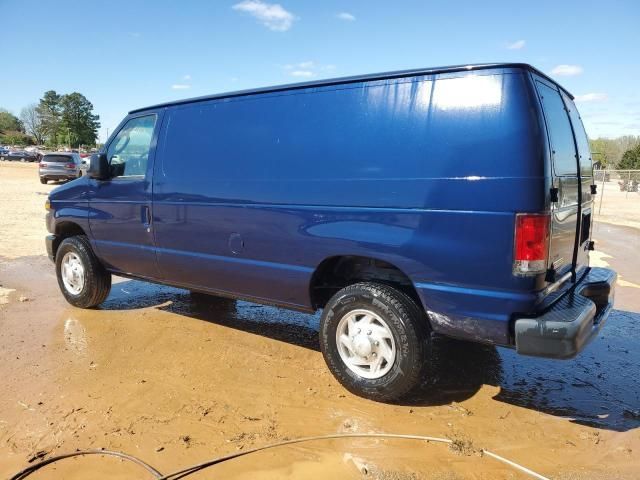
(129, 152)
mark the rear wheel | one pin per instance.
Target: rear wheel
(84, 282)
(375, 340)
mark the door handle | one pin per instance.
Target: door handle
(146, 217)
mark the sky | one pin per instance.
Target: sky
(125, 54)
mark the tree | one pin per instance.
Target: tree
(33, 123)
(630, 159)
(9, 122)
(79, 124)
(609, 151)
(49, 111)
(15, 138)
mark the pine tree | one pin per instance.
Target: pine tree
(78, 122)
(49, 111)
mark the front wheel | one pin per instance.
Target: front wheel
(84, 282)
(375, 340)
(43, 181)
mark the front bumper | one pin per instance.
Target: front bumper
(51, 241)
(565, 328)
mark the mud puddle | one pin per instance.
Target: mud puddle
(175, 378)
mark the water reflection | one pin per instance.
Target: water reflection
(75, 336)
(598, 388)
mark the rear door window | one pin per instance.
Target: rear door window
(581, 139)
(57, 158)
(562, 146)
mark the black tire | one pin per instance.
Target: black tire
(408, 325)
(97, 281)
(43, 181)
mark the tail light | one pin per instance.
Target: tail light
(70, 166)
(531, 244)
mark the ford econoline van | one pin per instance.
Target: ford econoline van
(453, 201)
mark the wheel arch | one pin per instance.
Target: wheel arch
(339, 271)
(65, 229)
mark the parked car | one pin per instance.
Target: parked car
(627, 185)
(60, 166)
(452, 201)
(19, 155)
(84, 164)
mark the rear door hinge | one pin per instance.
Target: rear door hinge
(550, 276)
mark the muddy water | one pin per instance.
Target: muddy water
(176, 379)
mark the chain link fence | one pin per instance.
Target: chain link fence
(618, 198)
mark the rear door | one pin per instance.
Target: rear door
(586, 180)
(568, 242)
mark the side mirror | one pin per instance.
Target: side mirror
(98, 167)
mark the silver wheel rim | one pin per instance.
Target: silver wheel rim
(72, 272)
(365, 344)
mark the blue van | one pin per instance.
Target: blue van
(453, 201)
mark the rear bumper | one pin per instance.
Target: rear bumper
(58, 174)
(564, 329)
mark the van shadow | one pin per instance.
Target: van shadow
(279, 324)
(598, 388)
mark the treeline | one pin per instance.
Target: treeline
(56, 119)
(622, 152)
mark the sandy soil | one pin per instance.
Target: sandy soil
(22, 212)
(176, 379)
(616, 207)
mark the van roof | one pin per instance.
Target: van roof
(359, 78)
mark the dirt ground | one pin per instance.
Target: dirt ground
(175, 380)
(614, 206)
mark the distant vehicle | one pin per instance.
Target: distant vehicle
(453, 201)
(19, 155)
(628, 185)
(60, 166)
(84, 164)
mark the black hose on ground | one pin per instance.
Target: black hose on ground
(33, 468)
